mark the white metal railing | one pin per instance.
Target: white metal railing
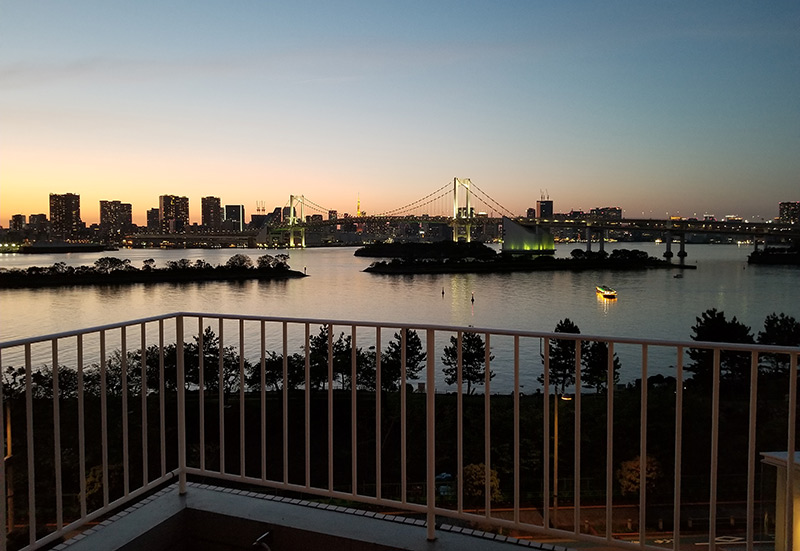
(95, 418)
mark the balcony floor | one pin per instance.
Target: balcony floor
(211, 518)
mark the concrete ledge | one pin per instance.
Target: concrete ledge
(213, 518)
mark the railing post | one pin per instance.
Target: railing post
(676, 507)
(181, 406)
(5, 525)
(430, 431)
(712, 500)
(643, 446)
(30, 448)
(791, 536)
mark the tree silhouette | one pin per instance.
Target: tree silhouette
(342, 357)
(273, 372)
(391, 364)
(265, 261)
(473, 361)
(562, 357)
(713, 327)
(239, 261)
(211, 363)
(475, 482)
(181, 264)
(628, 475)
(108, 264)
(594, 357)
(781, 330)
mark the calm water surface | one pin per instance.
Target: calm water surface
(651, 303)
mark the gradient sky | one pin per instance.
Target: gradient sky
(677, 107)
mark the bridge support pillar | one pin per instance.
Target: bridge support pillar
(682, 252)
(603, 240)
(588, 239)
(292, 238)
(668, 242)
(467, 231)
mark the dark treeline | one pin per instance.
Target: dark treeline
(711, 326)
(777, 255)
(230, 361)
(123, 379)
(448, 257)
(113, 271)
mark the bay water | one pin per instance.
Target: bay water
(652, 304)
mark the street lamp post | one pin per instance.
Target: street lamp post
(555, 462)
(555, 456)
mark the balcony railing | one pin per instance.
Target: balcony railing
(433, 421)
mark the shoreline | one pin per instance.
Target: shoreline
(405, 268)
(445, 258)
(21, 280)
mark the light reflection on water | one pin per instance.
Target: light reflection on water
(651, 303)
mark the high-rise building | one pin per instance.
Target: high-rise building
(333, 215)
(38, 222)
(173, 213)
(17, 222)
(211, 212)
(152, 220)
(544, 208)
(234, 217)
(531, 213)
(258, 221)
(789, 212)
(65, 215)
(275, 216)
(115, 217)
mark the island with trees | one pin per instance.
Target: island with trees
(449, 257)
(776, 255)
(115, 271)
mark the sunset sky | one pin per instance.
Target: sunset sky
(671, 107)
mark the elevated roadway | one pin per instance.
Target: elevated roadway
(598, 228)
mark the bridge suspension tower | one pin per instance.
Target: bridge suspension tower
(462, 217)
(295, 200)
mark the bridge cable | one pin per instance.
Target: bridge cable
(415, 203)
(417, 206)
(315, 205)
(501, 207)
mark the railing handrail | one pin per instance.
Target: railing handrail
(85, 330)
(744, 347)
(193, 323)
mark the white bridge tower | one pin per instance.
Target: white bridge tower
(462, 218)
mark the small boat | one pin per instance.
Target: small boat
(605, 291)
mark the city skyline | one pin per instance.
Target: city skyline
(683, 108)
(214, 212)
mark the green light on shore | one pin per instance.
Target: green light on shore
(532, 240)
